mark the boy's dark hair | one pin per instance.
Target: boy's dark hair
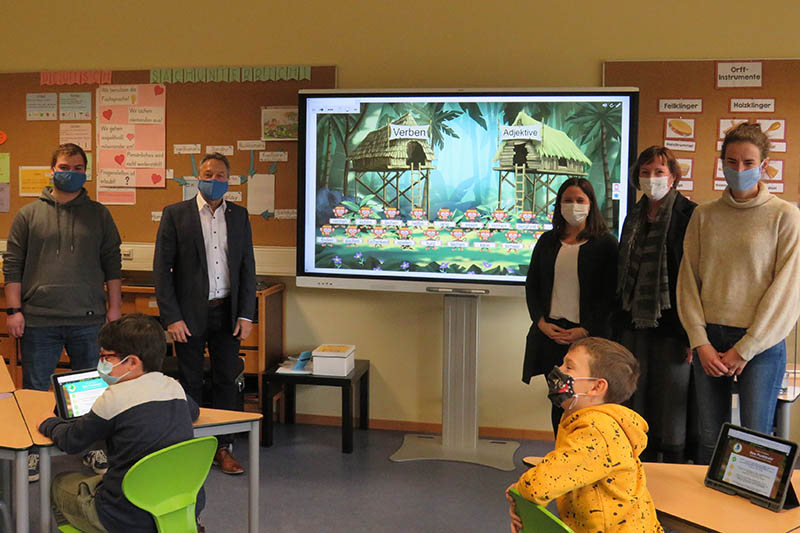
(749, 133)
(68, 149)
(595, 225)
(650, 154)
(614, 363)
(219, 157)
(136, 334)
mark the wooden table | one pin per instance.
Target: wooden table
(686, 504)
(14, 444)
(360, 373)
(6, 383)
(222, 422)
(35, 404)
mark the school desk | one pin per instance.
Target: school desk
(685, 504)
(35, 404)
(6, 383)
(14, 444)
(222, 422)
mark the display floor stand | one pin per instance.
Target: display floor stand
(459, 440)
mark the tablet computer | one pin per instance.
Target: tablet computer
(76, 392)
(753, 465)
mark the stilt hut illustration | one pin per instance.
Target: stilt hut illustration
(402, 158)
(531, 158)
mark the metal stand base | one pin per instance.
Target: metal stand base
(494, 453)
(459, 440)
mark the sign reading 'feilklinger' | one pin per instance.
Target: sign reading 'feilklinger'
(397, 131)
(521, 132)
(681, 105)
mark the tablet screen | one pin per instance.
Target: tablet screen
(752, 462)
(77, 391)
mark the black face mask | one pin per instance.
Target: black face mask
(561, 387)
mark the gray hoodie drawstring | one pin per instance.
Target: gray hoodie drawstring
(58, 231)
(72, 230)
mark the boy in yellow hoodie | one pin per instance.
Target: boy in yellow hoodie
(594, 473)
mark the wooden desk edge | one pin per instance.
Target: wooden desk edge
(34, 403)
(6, 383)
(216, 417)
(14, 426)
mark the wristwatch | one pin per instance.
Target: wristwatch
(13, 310)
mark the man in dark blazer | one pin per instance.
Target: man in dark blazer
(206, 288)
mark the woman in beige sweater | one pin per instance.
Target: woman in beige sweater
(739, 290)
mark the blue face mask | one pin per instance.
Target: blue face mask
(742, 180)
(212, 190)
(104, 368)
(68, 180)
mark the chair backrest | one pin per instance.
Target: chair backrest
(165, 483)
(535, 518)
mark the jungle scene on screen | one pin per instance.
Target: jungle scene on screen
(455, 187)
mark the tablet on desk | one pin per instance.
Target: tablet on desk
(753, 465)
(76, 392)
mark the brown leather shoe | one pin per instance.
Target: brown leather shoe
(227, 463)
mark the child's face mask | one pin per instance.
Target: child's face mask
(561, 387)
(104, 368)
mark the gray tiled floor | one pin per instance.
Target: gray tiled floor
(307, 484)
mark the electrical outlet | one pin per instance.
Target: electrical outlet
(127, 254)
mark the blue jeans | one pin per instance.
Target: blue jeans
(758, 387)
(41, 350)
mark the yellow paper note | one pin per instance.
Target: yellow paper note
(32, 180)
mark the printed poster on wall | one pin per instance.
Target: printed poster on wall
(131, 138)
(279, 123)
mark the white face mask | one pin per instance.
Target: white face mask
(654, 188)
(575, 214)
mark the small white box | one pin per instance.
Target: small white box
(327, 365)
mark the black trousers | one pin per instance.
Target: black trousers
(662, 394)
(223, 349)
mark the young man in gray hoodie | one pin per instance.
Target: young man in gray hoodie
(62, 253)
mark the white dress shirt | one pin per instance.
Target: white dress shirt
(566, 299)
(215, 238)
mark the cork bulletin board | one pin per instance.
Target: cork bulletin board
(203, 107)
(688, 106)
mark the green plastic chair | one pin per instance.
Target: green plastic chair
(535, 518)
(165, 484)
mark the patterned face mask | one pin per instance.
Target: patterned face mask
(561, 387)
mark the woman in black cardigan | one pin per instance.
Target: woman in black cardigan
(578, 248)
(651, 248)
